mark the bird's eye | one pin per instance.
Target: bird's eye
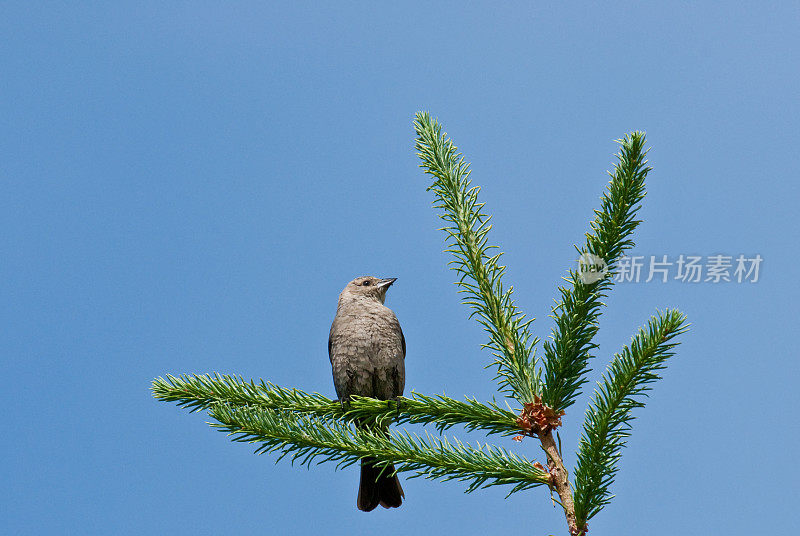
(366, 283)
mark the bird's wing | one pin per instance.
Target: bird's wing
(330, 344)
(402, 339)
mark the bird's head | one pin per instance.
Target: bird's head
(367, 288)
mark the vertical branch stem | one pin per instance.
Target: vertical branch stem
(560, 481)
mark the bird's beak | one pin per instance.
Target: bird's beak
(386, 283)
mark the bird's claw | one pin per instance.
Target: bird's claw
(398, 400)
(344, 402)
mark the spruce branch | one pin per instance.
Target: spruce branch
(567, 353)
(560, 482)
(307, 438)
(310, 427)
(199, 392)
(608, 418)
(202, 391)
(479, 270)
(440, 411)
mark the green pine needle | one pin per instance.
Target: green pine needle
(199, 392)
(307, 439)
(608, 418)
(480, 271)
(568, 351)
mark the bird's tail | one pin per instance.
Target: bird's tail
(374, 489)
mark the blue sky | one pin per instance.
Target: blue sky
(187, 188)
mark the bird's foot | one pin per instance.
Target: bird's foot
(398, 401)
(345, 403)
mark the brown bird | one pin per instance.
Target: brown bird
(367, 352)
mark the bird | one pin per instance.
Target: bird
(367, 351)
